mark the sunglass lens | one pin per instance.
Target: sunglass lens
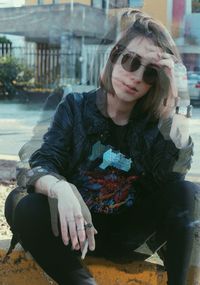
(114, 56)
(150, 75)
(130, 63)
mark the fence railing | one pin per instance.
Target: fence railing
(47, 63)
(5, 49)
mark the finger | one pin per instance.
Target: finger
(64, 230)
(168, 66)
(79, 220)
(53, 206)
(95, 231)
(72, 232)
(90, 232)
(166, 55)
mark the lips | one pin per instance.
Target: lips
(131, 88)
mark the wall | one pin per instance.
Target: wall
(157, 9)
(179, 8)
(35, 2)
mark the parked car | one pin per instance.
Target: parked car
(194, 85)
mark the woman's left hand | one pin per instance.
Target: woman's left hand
(179, 132)
(168, 82)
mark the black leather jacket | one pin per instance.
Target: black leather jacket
(78, 123)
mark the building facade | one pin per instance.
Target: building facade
(52, 21)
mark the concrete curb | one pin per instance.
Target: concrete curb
(20, 269)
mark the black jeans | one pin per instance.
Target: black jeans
(169, 212)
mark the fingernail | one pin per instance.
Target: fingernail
(75, 247)
(66, 242)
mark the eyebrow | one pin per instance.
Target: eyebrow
(133, 53)
(136, 54)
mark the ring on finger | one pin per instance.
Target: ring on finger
(88, 226)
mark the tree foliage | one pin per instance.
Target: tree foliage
(4, 40)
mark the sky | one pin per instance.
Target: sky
(11, 3)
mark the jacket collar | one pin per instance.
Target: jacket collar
(97, 120)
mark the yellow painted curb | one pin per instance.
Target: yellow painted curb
(20, 269)
(107, 272)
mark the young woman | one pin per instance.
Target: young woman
(113, 161)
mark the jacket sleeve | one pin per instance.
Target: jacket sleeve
(169, 163)
(53, 155)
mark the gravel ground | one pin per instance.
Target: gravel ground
(4, 228)
(7, 183)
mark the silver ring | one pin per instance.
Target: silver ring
(88, 226)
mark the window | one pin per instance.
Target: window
(120, 3)
(136, 3)
(97, 4)
(40, 2)
(55, 1)
(195, 6)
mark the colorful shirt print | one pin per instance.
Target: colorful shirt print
(105, 180)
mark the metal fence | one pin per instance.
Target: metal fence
(46, 62)
(5, 49)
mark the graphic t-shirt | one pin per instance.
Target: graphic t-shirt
(106, 179)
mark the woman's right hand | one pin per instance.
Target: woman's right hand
(67, 205)
(70, 215)
(74, 216)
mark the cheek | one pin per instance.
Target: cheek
(118, 71)
(116, 76)
(146, 88)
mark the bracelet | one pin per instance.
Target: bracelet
(51, 193)
(186, 111)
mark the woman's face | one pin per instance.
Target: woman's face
(130, 86)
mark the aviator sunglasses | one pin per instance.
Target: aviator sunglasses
(131, 62)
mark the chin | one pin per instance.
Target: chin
(128, 97)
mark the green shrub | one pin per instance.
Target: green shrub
(11, 70)
(4, 40)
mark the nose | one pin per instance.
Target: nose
(137, 75)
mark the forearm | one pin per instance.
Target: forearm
(49, 185)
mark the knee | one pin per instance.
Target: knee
(31, 213)
(182, 191)
(181, 198)
(11, 201)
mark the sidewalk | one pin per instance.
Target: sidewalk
(7, 169)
